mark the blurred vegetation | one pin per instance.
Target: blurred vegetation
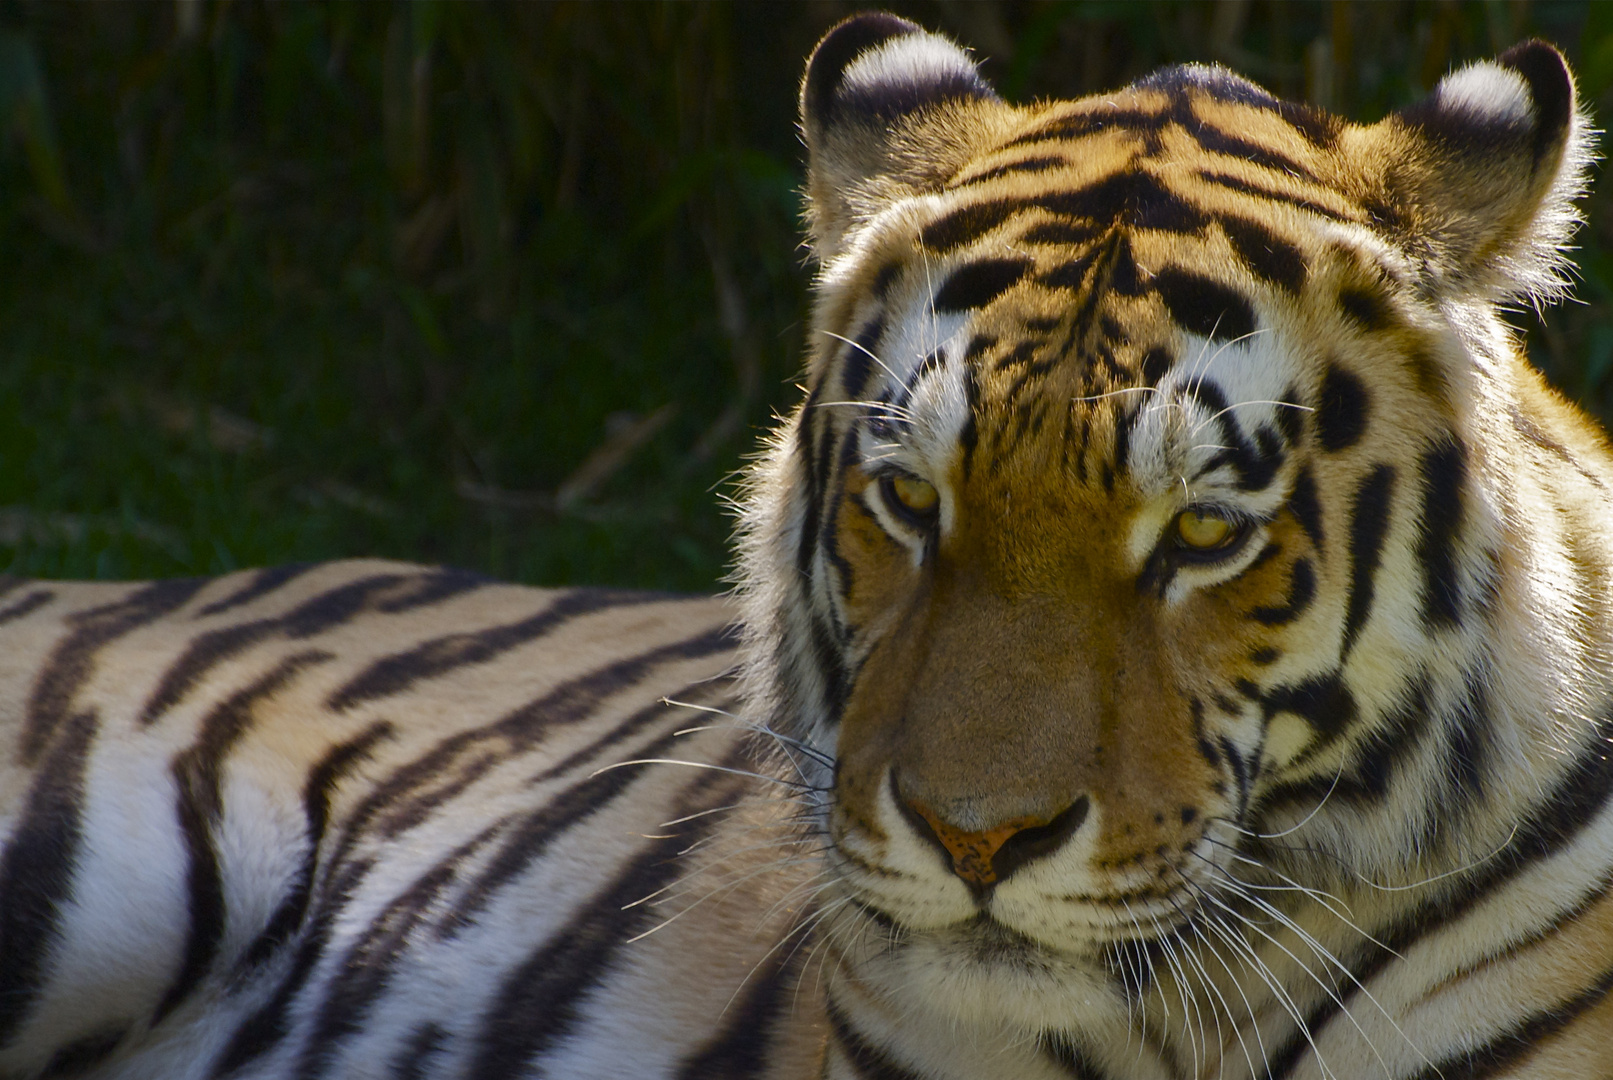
(506, 285)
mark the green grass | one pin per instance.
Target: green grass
(506, 286)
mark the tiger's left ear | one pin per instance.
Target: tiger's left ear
(1477, 182)
(887, 110)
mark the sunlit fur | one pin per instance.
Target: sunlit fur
(1021, 781)
(1328, 799)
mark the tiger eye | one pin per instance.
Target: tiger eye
(1203, 532)
(917, 497)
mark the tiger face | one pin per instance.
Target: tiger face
(1144, 502)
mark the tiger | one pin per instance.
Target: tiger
(1173, 638)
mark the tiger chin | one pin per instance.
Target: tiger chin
(1174, 639)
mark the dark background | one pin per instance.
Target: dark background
(511, 286)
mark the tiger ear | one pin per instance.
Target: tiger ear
(876, 92)
(1477, 182)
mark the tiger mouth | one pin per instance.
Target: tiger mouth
(1122, 920)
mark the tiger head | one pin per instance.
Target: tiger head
(1152, 488)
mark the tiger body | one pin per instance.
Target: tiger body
(1174, 639)
(351, 820)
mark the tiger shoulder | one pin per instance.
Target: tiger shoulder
(1174, 639)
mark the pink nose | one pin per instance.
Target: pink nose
(972, 852)
(985, 857)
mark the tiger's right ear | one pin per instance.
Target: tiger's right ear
(880, 111)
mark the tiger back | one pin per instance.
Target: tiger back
(1174, 639)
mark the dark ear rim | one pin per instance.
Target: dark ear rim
(829, 100)
(1473, 133)
(1551, 86)
(838, 50)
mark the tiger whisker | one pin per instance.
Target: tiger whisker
(1241, 404)
(1266, 976)
(1248, 1009)
(865, 350)
(1322, 953)
(1196, 966)
(748, 773)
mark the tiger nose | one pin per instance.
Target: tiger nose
(983, 858)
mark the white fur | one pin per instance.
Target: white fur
(912, 60)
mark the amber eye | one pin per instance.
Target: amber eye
(915, 499)
(1200, 531)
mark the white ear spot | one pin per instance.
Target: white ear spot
(913, 60)
(1487, 92)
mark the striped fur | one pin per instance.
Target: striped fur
(350, 820)
(1175, 640)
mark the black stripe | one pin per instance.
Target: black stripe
(37, 869)
(413, 1060)
(263, 1030)
(1526, 426)
(1301, 591)
(1322, 701)
(1369, 524)
(1059, 232)
(857, 359)
(1082, 124)
(1552, 825)
(1265, 254)
(1069, 275)
(1156, 364)
(1372, 761)
(1218, 141)
(1290, 416)
(399, 672)
(700, 693)
(1444, 473)
(1306, 507)
(83, 1054)
(1124, 422)
(1368, 310)
(1203, 306)
(1509, 948)
(262, 584)
(1071, 1057)
(73, 661)
(364, 972)
(741, 1050)
(807, 459)
(1262, 192)
(966, 223)
(1471, 736)
(540, 999)
(432, 587)
(316, 796)
(326, 611)
(410, 793)
(27, 605)
(1256, 464)
(867, 1060)
(529, 838)
(1341, 409)
(976, 284)
(199, 809)
(969, 437)
(1024, 165)
(1519, 1042)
